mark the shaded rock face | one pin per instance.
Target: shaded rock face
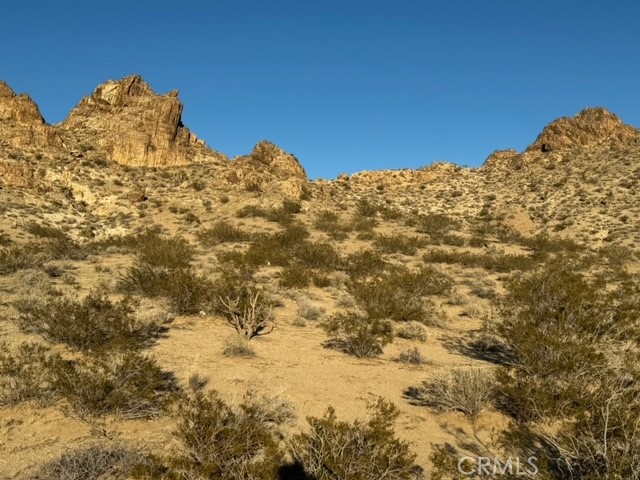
(268, 167)
(592, 126)
(133, 125)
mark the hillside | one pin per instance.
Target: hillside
(122, 200)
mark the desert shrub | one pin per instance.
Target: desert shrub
(93, 323)
(492, 261)
(407, 245)
(326, 220)
(45, 231)
(5, 239)
(436, 225)
(186, 291)
(412, 356)
(237, 346)
(246, 309)
(399, 293)
(126, 383)
(543, 244)
(363, 224)
(364, 449)
(291, 206)
(16, 258)
(222, 232)
(251, 211)
(109, 461)
(226, 441)
(295, 276)
(310, 311)
(63, 249)
(412, 330)
(365, 208)
(358, 335)
(24, 374)
(364, 263)
(552, 321)
(465, 389)
(316, 255)
(159, 251)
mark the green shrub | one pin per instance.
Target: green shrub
(358, 335)
(222, 232)
(158, 251)
(251, 211)
(364, 263)
(399, 293)
(492, 261)
(221, 441)
(128, 384)
(186, 291)
(93, 323)
(364, 449)
(365, 208)
(407, 245)
(436, 225)
(295, 276)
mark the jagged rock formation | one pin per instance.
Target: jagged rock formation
(21, 123)
(270, 167)
(133, 125)
(592, 126)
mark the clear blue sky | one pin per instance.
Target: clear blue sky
(344, 85)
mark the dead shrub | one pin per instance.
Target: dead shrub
(465, 389)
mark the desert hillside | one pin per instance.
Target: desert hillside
(152, 286)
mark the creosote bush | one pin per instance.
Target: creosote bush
(14, 258)
(222, 232)
(364, 449)
(93, 323)
(358, 335)
(399, 293)
(129, 384)
(219, 440)
(24, 374)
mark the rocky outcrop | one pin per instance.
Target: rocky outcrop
(591, 127)
(132, 125)
(269, 168)
(21, 123)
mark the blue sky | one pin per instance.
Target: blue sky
(344, 85)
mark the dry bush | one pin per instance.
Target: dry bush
(24, 374)
(465, 389)
(398, 243)
(225, 441)
(365, 263)
(412, 330)
(97, 462)
(93, 323)
(222, 232)
(247, 311)
(310, 311)
(186, 291)
(365, 449)
(16, 258)
(412, 356)
(237, 346)
(358, 335)
(399, 294)
(494, 261)
(128, 384)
